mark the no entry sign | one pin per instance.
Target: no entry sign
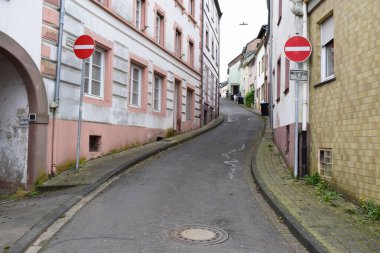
(297, 48)
(84, 46)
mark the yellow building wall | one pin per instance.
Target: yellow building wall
(345, 113)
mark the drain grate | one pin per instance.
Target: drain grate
(198, 235)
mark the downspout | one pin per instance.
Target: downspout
(305, 98)
(218, 59)
(270, 63)
(202, 64)
(55, 103)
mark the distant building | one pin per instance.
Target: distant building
(211, 57)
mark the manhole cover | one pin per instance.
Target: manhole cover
(199, 235)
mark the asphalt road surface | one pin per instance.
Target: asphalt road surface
(201, 182)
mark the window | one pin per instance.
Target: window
(287, 140)
(189, 103)
(278, 78)
(192, 7)
(279, 11)
(212, 87)
(262, 64)
(135, 85)
(327, 44)
(178, 43)
(140, 15)
(212, 48)
(159, 29)
(216, 56)
(157, 93)
(206, 83)
(94, 72)
(207, 39)
(287, 73)
(325, 163)
(94, 143)
(191, 53)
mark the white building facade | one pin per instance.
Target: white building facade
(143, 80)
(284, 24)
(211, 54)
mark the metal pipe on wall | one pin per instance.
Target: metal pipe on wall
(55, 103)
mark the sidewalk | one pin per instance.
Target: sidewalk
(320, 226)
(24, 220)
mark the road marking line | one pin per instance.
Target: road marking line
(58, 224)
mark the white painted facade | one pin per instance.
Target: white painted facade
(123, 46)
(169, 78)
(260, 75)
(211, 59)
(12, 22)
(285, 24)
(14, 125)
(283, 111)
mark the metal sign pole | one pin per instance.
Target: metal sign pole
(300, 66)
(296, 132)
(80, 116)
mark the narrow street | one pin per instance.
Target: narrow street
(201, 182)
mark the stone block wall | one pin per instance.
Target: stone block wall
(345, 112)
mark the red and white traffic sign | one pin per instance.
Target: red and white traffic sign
(297, 48)
(84, 46)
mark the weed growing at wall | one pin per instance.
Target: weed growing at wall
(370, 209)
(322, 188)
(69, 165)
(248, 100)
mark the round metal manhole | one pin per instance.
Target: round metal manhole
(199, 235)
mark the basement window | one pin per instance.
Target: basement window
(94, 143)
(325, 163)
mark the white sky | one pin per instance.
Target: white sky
(234, 37)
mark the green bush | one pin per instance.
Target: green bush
(248, 100)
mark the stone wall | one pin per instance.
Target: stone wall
(345, 112)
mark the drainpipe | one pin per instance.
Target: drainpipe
(59, 55)
(305, 99)
(270, 29)
(202, 63)
(55, 103)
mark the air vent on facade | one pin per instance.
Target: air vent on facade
(94, 143)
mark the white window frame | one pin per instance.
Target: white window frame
(131, 89)
(192, 8)
(189, 100)
(178, 43)
(89, 61)
(158, 28)
(327, 37)
(325, 162)
(157, 93)
(138, 14)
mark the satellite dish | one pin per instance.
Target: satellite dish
(243, 23)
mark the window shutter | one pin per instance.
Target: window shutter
(327, 31)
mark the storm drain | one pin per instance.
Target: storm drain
(199, 235)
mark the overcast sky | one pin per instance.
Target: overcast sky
(233, 36)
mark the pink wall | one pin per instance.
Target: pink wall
(280, 139)
(112, 137)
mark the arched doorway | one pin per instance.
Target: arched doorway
(22, 93)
